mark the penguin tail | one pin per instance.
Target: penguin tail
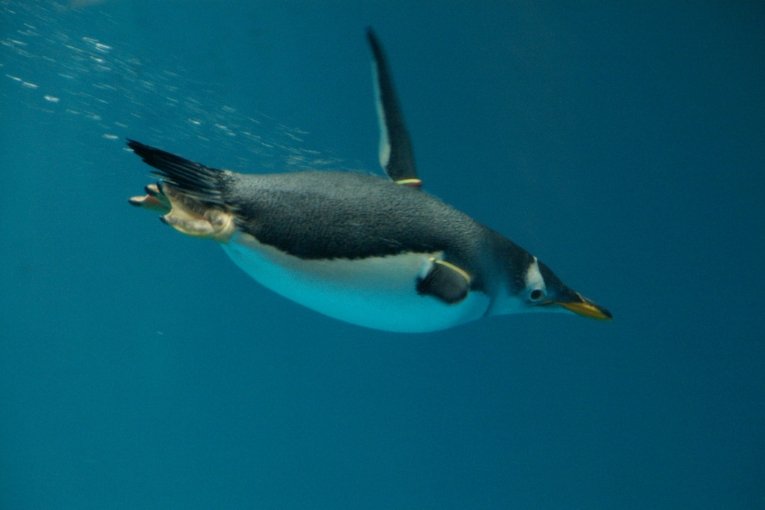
(191, 179)
(189, 195)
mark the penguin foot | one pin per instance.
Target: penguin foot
(186, 214)
(153, 200)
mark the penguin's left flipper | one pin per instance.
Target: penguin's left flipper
(396, 154)
(445, 281)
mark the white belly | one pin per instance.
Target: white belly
(376, 293)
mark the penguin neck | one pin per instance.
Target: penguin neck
(509, 263)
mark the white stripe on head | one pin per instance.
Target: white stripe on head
(533, 276)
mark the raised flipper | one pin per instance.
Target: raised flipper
(189, 195)
(445, 281)
(396, 154)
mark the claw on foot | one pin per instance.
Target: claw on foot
(153, 200)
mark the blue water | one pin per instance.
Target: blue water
(622, 144)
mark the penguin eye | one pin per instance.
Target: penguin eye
(536, 294)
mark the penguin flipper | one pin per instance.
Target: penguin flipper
(445, 281)
(396, 154)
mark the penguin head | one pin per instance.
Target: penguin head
(535, 288)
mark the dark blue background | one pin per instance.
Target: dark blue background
(622, 144)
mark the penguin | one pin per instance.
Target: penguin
(376, 252)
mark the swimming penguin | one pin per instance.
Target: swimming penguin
(375, 252)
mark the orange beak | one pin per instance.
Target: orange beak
(586, 308)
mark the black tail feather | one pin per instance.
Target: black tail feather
(192, 179)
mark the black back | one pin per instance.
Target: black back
(326, 215)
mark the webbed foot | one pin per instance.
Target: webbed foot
(153, 200)
(186, 214)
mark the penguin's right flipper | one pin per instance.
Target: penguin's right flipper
(445, 281)
(396, 154)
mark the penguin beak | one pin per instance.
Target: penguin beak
(580, 305)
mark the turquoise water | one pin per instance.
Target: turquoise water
(623, 145)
